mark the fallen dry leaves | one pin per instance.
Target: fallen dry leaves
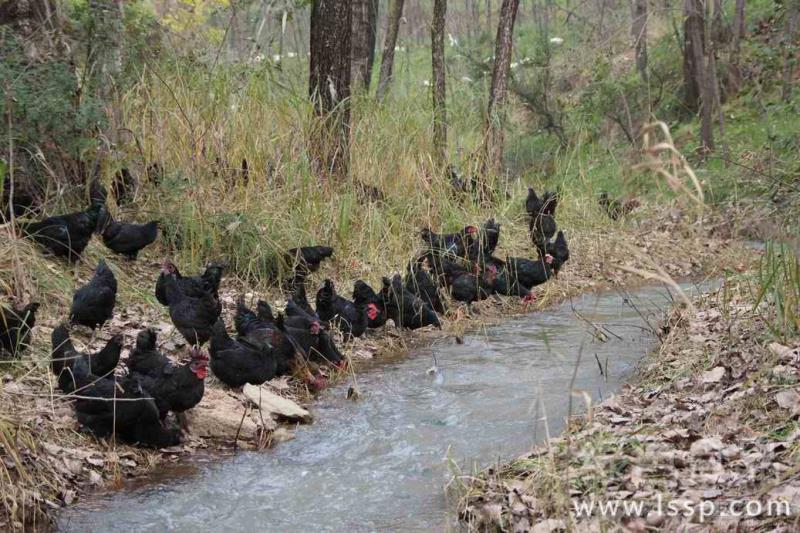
(713, 419)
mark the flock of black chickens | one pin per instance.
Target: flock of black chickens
(133, 405)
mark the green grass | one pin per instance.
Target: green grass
(185, 114)
(779, 290)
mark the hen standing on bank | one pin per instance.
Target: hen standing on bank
(109, 408)
(176, 388)
(93, 304)
(15, 328)
(64, 235)
(193, 307)
(207, 282)
(405, 309)
(349, 318)
(237, 362)
(64, 357)
(455, 244)
(420, 283)
(542, 223)
(365, 295)
(123, 238)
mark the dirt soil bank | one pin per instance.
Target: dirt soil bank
(47, 462)
(711, 427)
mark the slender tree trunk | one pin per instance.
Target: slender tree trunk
(467, 26)
(497, 96)
(790, 47)
(735, 71)
(488, 13)
(704, 77)
(373, 37)
(693, 46)
(363, 40)
(439, 93)
(639, 35)
(720, 29)
(390, 42)
(329, 84)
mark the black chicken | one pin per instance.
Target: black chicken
(542, 212)
(303, 332)
(364, 295)
(176, 388)
(123, 238)
(124, 186)
(154, 173)
(486, 243)
(295, 311)
(93, 303)
(21, 203)
(300, 299)
(237, 362)
(405, 309)
(64, 357)
(349, 318)
(132, 415)
(529, 273)
(15, 328)
(445, 269)
(461, 184)
(145, 358)
(307, 259)
(261, 331)
(559, 251)
(64, 235)
(207, 282)
(449, 243)
(308, 335)
(97, 193)
(617, 207)
(420, 283)
(506, 282)
(472, 287)
(193, 311)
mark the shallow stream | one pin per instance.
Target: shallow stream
(381, 463)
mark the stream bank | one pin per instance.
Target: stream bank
(449, 407)
(53, 464)
(710, 426)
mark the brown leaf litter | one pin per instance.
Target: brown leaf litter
(712, 421)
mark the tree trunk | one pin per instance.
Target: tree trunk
(105, 42)
(735, 71)
(373, 37)
(790, 47)
(439, 94)
(720, 29)
(693, 48)
(639, 35)
(705, 78)
(488, 14)
(497, 96)
(365, 14)
(329, 84)
(390, 42)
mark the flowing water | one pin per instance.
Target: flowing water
(381, 463)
